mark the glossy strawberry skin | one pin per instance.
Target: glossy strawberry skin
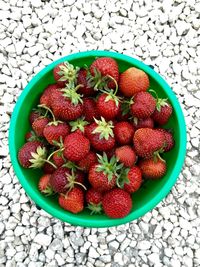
(76, 147)
(152, 169)
(147, 141)
(99, 180)
(161, 117)
(133, 81)
(144, 123)
(55, 132)
(64, 109)
(126, 155)
(44, 182)
(135, 180)
(45, 98)
(59, 180)
(169, 140)
(96, 142)
(89, 109)
(93, 196)
(73, 201)
(57, 76)
(124, 132)
(107, 109)
(24, 154)
(106, 66)
(117, 203)
(88, 161)
(86, 90)
(143, 106)
(39, 125)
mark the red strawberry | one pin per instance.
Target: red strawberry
(93, 199)
(89, 160)
(58, 159)
(147, 142)
(143, 105)
(134, 180)
(39, 125)
(126, 155)
(162, 112)
(67, 104)
(103, 70)
(44, 185)
(86, 89)
(90, 110)
(32, 155)
(153, 168)
(72, 201)
(76, 147)
(78, 125)
(143, 123)
(64, 73)
(101, 135)
(132, 81)
(169, 140)
(48, 168)
(45, 98)
(108, 105)
(102, 176)
(56, 131)
(117, 203)
(124, 132)
(33, 116)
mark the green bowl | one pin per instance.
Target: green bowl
(144, 199)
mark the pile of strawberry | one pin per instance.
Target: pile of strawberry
(97, 136)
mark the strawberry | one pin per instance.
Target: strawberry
(132, 81)
(39, 125)
(105, 73)
(58, 159)
(143, 105)
(124, 132)
(32, 155)
(44, 185)
(64, 179)
(89, 160)
(89, 109)
(123, 113)
(34, 115)
(78, 125)
(148, 142)
(72, 201)
(101, 135)
(67, 104)
(169, 140)
(162, 112)
(56, 130)
(103, 175)
(64, 73)
(152, 168)
(143, 123)
(31, 136)
(110, 153)
(86, 89)
(108, 105)
(45, 98)
(134, 177)
(117, 203)
(93, 199)
(126, 155)
(76, 147)
(48, 168)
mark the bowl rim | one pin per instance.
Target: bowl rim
(107, 222)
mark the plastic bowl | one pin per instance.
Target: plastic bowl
(143, 200)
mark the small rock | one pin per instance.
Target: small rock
(43, 240)
(93, 253)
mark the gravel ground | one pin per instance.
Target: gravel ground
(164, 34)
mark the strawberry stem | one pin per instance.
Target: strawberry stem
(58, 150)
(48, 109)
(116, 85)
(51, 163)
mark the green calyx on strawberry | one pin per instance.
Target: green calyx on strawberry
(78, 124)
(38, 158)
(123, 178)
(68, 72)
(95, 208)
(71, 165)
(44, 185)
(70, 91)
(72, 181)
(54, 122)
(108, 167)
(160, 102)
(104, 128)
(125, 106)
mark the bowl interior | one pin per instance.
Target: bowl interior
(147, 196)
